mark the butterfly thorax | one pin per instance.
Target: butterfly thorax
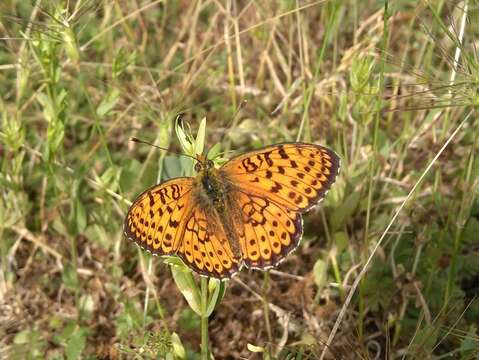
(212, 188)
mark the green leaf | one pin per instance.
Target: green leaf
(342, 213)
(110, 179)
(186, 284)
(424, 341)
(121, 61)
(361, 71)
(80, 217)
(157, 343)
(31, 344)
(55, 322)
(341, 240)
(97, 234)
(75, 345)
(217, 289)
(173, 166)
(343, 106)
(320, 272)
(86, 305)
(254, 348)
(131, 318)
(470, 344)
(175, 261)
(70, 43)
(23, 337)
(70, 278)
(178, 348)
(214, 151)
(378, 288)
(189, 320)
(200, 137)
(108, 103)
(243, 131)
(469, 234)
(185, 143)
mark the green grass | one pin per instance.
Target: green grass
(388, 267)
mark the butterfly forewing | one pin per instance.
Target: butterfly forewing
(273, 186)
(166, 220)
(294, 175)
(155, 220)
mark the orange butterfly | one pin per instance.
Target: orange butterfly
(247, 212)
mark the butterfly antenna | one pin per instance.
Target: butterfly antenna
(233, 122)
(222, 153)
(134, 139)
(240, 107)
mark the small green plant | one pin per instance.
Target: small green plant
(204, 297)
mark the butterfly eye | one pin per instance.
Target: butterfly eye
(198, 167)
(210, 164)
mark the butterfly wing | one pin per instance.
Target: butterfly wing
(167, 220)
(270, 231)
(204, 246)
(273, 186)
(294, 175)
(156, 217)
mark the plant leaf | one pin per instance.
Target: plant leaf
(186, 284)
(108, 103)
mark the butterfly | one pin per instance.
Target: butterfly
(246, 213)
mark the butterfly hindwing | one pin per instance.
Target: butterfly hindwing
(295, 175)
(271, 231)
(204, 246)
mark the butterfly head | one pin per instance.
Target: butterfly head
(203, 163)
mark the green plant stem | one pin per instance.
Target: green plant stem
(204, 318)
